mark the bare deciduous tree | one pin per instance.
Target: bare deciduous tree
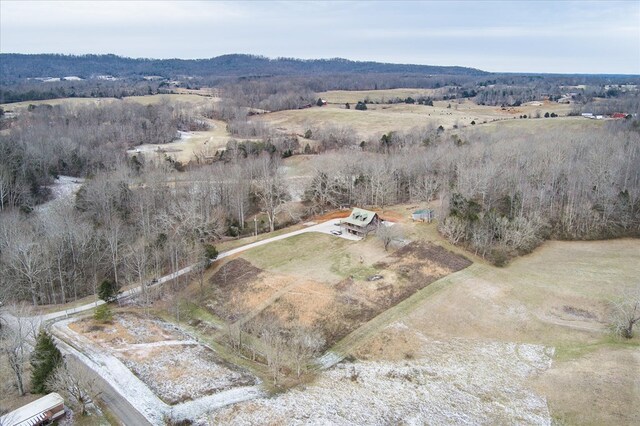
(388, 233)
(77, 385)
(17, 337)
(270, 188)
(304, 345)
(626, 313)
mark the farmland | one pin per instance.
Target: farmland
(530, 332)
(382, 118)
(428, 329)
(332, 294)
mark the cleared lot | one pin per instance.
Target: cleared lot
(174, 366)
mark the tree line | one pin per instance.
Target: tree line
(47, 141)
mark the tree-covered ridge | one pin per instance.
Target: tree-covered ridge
(19, 66)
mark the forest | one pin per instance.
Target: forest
(501, 192)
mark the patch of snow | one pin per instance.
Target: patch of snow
(185, 135)
(185, 373)
(63, 189)
(113, 371)
(199, 407)
(137, 346)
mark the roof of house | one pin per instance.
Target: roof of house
(33, 412)
(360, 217)
(422, 211)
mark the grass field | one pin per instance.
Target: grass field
(190, 98)
(200, 144)
(557, 297)
(383, 118)
(380, 96)
(322, 282)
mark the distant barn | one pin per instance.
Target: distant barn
(360, 222)
(42, 411)
(423, 215)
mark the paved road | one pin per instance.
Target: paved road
(119, 406)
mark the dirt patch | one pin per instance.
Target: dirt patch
(338, 214)
(127, 328)
(233, 274)
(304, 305)
(336, 309)
(232, 289)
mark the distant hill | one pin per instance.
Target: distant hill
(19, 66)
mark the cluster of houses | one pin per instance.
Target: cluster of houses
(592, 116)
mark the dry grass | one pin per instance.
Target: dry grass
(189, 98)
(382, 118)
(601, 387)
(381, 96)
(202, 144)
(126, 329)
(558, 297)
(321, 281)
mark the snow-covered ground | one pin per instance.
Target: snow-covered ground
(184, 136)
(452, 382)
(183, 372)
(134, 390)
(63, 190)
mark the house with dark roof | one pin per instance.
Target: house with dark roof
(360, 222)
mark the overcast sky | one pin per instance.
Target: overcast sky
(533, 36)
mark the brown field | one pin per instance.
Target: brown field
(329, 292)
(200, 144)
(127, 329)
(187, 98)
(383, 118)
(378, 96)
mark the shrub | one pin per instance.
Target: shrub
(103, 314)
(499, 256)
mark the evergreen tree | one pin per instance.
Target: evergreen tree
(103, 314)
(107, 290)
(45, 359)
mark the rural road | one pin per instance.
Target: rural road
(118, 405)
(324, 228)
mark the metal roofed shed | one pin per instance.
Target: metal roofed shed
(360, 222)
(423, 215)
(39, 412)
